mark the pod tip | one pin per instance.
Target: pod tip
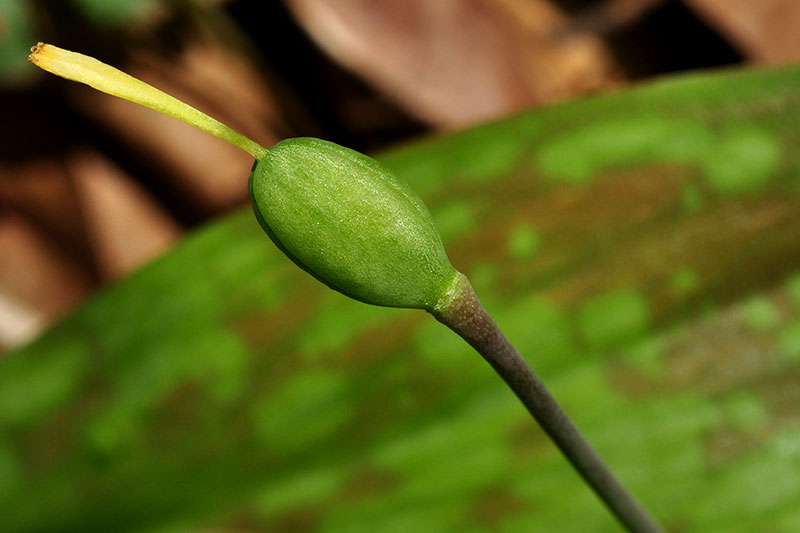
(36, 52)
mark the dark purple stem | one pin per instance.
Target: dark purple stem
(464, 314)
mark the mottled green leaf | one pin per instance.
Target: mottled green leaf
(642, 249)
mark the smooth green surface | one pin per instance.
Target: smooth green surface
(224, 388)
(351, 223)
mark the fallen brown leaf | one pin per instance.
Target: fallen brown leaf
(765, 30)
(124, 225)
(35, 274)
(456, 62)
(42, 190)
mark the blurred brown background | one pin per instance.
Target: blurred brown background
(92, 187)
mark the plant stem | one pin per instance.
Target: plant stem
(462, 312)
(105, 78)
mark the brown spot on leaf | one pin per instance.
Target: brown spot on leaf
(367, 481)
(726, 443)
(526, 441)
(492, 507)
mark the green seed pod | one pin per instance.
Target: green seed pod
(338, 214)
(351, 223)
